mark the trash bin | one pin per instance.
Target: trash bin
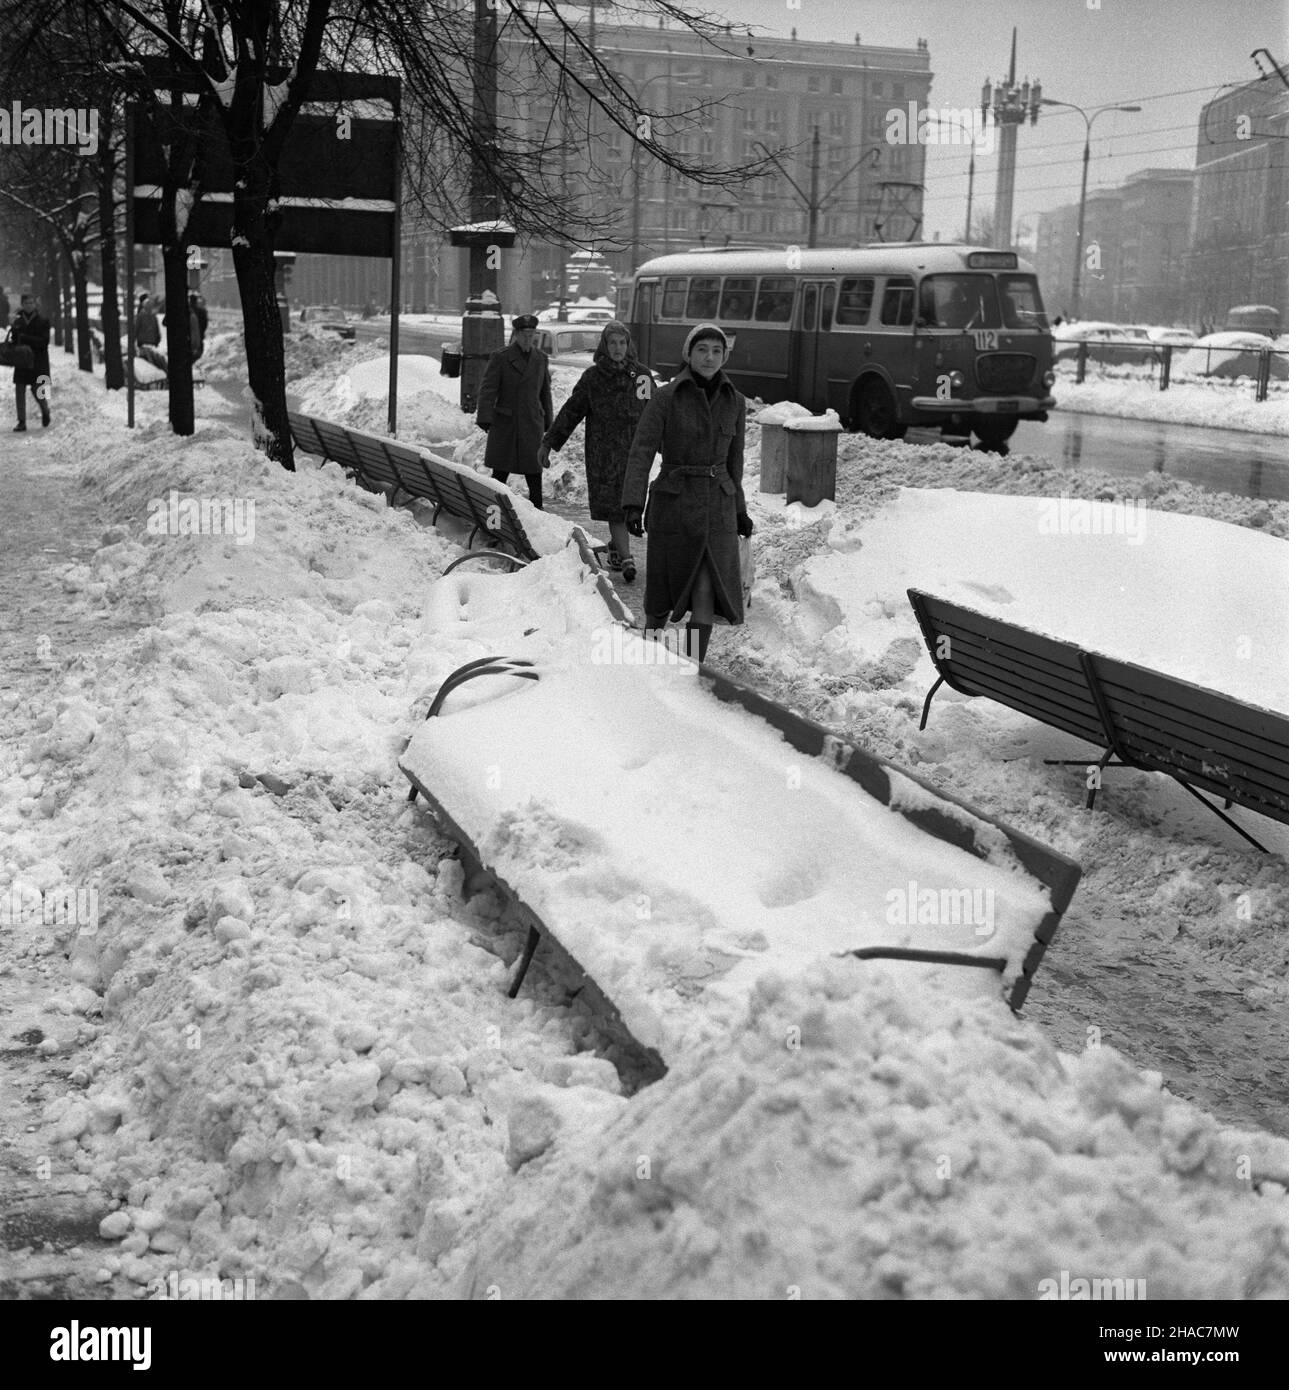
(450, 360)
(811, 468)
(774, 458)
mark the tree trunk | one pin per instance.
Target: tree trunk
(178, 342)
(53, 293)
(80, 288)
(113, 365)
(261, 322)
(66, 276)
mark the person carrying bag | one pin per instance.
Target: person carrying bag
(28, 342)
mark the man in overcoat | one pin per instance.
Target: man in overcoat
(696, 510)
(515, 408)
(31, 330)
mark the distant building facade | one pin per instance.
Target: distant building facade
(1239, 232)
(1155, 236)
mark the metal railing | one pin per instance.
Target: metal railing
(1227, 365)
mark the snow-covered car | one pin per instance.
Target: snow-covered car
(1173, 337)
(578, 312)
(1109, 343)
(331, 318)
(568, 345)
(1231, 354)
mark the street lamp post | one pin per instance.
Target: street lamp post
(1083, 189)
(971, 170)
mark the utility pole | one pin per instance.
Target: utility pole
(812, 231)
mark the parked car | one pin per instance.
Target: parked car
(568, 345)
(577, 312)
(1174, 337)
(332, 319)
(1230, 355)
(1109, 343)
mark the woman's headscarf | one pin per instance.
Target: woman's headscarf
(601, 358)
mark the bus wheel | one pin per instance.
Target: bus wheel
(994, 434)
(874, 412)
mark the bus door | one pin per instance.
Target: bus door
(814, 324)
(643, 320)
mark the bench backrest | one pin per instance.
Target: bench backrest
(1150, 720)
(1217, 743)
(386, 463)
(979, 655)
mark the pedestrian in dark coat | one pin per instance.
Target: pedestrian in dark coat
(147, 331)
(4, 308)
(610, 396)
(29, 329)
(515, 408)
(696, 510)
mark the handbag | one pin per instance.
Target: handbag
(747, 568)
(17, 355)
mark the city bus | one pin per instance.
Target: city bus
(888, 335)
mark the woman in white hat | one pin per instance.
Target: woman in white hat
(696, 509)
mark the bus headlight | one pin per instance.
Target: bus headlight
(1049, 378)
(957, 380)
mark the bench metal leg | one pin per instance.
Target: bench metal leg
(926, 706)
(1221, 815)
(530, 946)
(1106, 760)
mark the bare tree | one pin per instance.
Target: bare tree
(251, 65)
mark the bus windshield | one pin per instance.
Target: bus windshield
(973, 301)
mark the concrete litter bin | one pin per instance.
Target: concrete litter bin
(811, 466)
(774, 443)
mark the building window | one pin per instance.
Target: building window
(897, 91)
(749, 77)
(773, 122)
(744, 224)
(836, 124)
(834, 86)
(771, 78)
(878, 89)
(707, 147)
(749, 120)
(814, 83)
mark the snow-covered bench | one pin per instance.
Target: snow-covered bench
(385, 465)
(1204, 740)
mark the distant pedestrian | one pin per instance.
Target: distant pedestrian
(4, 308)
(198, 306)
(30, 330)
(147, 331)
(610, 396)
(515, 408)
(696, 510)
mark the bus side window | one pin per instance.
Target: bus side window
(774, 301)
(737, 298)
(897, 302)
(809, 299)
(673, 298)
(825, 308)
(856, 301)
(704, 297)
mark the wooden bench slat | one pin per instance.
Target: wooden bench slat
(1223, 742)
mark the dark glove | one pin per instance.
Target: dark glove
(633, 518)
(744, 524)
(482, 426)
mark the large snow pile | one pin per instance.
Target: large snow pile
(860, 1137)
(1211, 401)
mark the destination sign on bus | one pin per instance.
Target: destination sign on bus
(992, 260)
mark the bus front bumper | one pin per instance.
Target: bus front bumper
(986, 405)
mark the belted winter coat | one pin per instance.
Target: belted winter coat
(31, 330)
(697, 496)
(515, 404)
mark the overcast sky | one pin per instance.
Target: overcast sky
(1168, 56)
